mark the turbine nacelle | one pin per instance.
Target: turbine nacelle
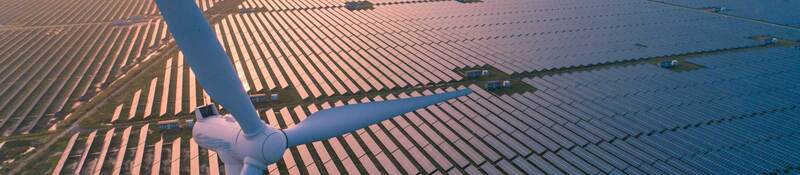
(223, 134)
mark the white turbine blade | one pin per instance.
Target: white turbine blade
(232, 164)
(209, 62)
(252, 170)
(340, 120)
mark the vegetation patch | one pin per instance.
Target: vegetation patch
(171, 134)
(773, 40)
(359, 5)
(249, 10)
(10, 151)
(14, 151)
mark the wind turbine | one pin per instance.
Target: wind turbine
(242, 140)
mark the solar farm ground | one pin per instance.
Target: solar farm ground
(86, 84)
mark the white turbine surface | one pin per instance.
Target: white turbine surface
(208, 60)
(243, 141)
(341, 120)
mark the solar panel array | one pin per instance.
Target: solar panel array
(665, 134)
(349, 50)
(735, 114)
(780, 12)
(46, 70)
(58, 59)
(387, 48)
(22, 13)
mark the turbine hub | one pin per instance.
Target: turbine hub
(223, 134)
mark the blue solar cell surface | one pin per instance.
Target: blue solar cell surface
(781, 12)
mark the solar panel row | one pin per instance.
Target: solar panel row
(20, 13)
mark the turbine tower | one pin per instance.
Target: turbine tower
(242, 140)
